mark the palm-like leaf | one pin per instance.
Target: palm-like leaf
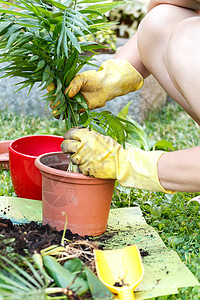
(45, 42)
(21, 282)
(26, 280)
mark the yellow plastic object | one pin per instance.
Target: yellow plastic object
(121, 270)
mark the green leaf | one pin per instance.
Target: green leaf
(65, 44)
(13, 283)
(79, 23)
(70, 67)
(34, 57)
(123, 114)
(80, 99)
(12, 39)
(105, 7)
(164, 145)
(57, 4)
(77, 30)
(61, 110)
(40, 65)
(75, 265)
(60, 39)
(26, 275)
(57, 31)
(15, 13)
(12, 29)
(3, 26)
(73, 39)
(11, 4)
(59, 86)
(98, 290)
(97, 127)
(63, 277)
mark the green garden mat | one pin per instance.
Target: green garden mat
(164, 272)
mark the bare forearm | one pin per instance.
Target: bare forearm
(130, 52)
(180, 170)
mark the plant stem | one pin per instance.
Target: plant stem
(64, 231)
(56, 290)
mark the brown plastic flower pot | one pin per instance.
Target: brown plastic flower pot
(4, 154)
(84, 200)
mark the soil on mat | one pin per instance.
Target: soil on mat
(33, 237)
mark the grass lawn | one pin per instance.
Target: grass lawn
(177, 223)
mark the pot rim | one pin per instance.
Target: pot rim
(4, 156)
(52, 171)
(25, 137)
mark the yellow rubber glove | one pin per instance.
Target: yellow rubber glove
(102, 157)
(115, 77)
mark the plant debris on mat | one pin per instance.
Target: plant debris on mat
(67, 259)
(33, 237)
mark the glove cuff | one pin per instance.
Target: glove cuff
(140, 170)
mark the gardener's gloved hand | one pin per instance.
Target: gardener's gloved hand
(101, 156)
(115, 77)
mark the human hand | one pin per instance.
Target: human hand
(115, 77)
(92, 152)
(102, 157)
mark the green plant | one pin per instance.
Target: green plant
(46, 277)
(46, 42)
(22, 281)
(138, 137)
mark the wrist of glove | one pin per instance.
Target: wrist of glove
(102, 157)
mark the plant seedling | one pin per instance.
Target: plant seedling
(46, 42)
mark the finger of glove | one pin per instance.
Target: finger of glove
(70, 146)
(54, 106)
(105, 170)
(86, 81)
(78, 134)
(54, 112)
(74, 86)
(84, 170)
(51, 87)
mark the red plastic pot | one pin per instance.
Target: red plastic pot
(26, 178)
(84, 200)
